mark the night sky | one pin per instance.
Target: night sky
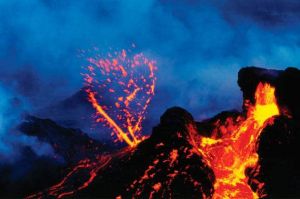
(199, 47)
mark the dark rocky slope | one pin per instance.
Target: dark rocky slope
(166, 159)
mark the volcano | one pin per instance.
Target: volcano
(182, 158)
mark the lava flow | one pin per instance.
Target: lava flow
(231, 155)
(130, 82)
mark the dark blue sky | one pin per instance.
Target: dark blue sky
(199, 46)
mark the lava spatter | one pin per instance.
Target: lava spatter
(129, 81)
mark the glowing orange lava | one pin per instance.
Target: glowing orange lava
(232, 154)
(130, 82)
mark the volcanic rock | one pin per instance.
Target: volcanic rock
(162, 166)
(72, 144)
(278, 149)
(288, 93)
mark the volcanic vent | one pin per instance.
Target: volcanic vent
(248, 154)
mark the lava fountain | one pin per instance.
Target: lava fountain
(130, 81)
(231, 155)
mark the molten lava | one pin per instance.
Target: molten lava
(130, 82)
(231, 155)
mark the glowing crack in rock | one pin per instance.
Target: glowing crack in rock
(231, 155)
(84, 172)
(130, 81)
